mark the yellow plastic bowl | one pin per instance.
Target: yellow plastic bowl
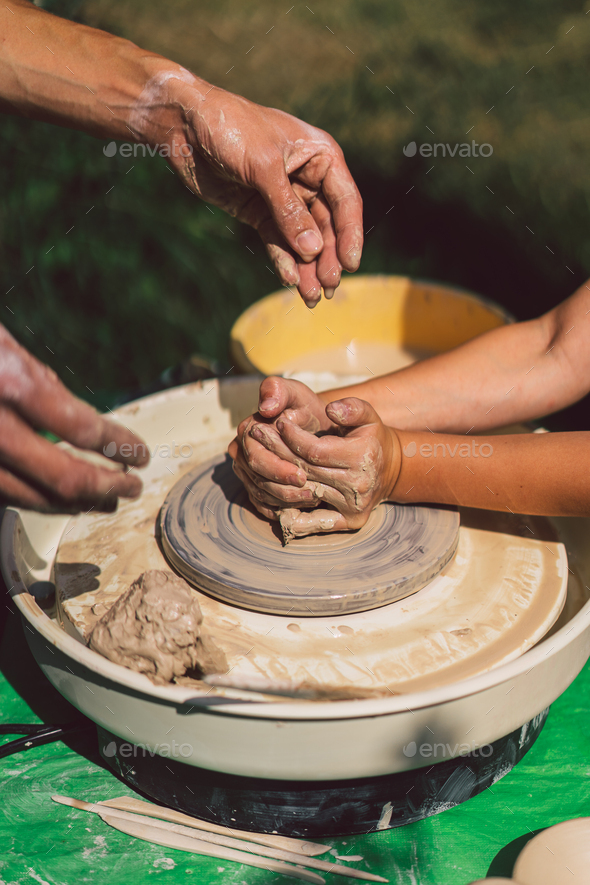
(425, 317)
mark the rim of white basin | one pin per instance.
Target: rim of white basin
(237, 702)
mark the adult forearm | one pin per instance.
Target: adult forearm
(61, 72)
(524, 473)
(285, 178)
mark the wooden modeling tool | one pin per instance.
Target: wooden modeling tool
(129, 803)
(163, 832)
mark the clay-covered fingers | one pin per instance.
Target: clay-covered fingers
(279, 495)
(323, 272)
(79, 424)
(328, 268)
(330, 464)
(275, 395)
(309, 286)
(283, 259)
(325, 170)
(256, 497)
(268, 493)
(298, 228)
(268, 456)
(274, 494)
(328, 451)
(252, 452)
(351, 412)
(356, 468)
(61, 480)
(259, 447)
(36, 393)
(359, 426)
(292, 270)
(252, 209)
(346, 205)
(248, 453)
(296, 400)
(265, 502)
(290, 213)
(293, 266)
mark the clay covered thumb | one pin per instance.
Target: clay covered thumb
(273, 397)
(351, 412)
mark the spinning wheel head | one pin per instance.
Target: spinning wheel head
(214, 538)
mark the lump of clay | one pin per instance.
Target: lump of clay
(287, 520)
(155, 628)
(299, 523)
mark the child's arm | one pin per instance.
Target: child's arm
(514, 373)
(542, 473)
(521, 473)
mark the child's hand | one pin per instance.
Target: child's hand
(279, 399)
(351, 469)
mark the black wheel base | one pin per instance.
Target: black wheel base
(313, 809)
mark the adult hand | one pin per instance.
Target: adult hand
(287, 179)
(34, 472)
(280, 175)
(279, 398)
(351, 470)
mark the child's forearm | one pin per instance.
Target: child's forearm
(523, 473)
(514, 373)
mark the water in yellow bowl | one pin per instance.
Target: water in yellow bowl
(355, 358)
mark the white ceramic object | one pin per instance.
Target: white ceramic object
(230, 731)
(557, 855)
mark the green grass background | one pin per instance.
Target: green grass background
(131, 274)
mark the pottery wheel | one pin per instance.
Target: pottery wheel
(215, 539)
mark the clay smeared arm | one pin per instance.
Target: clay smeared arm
(287, 179)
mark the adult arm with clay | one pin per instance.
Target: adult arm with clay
(408, 436)
(287, 179)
